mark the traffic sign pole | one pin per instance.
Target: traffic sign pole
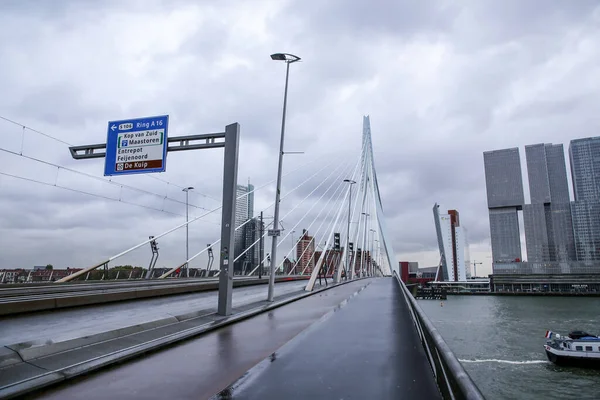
(142, 137)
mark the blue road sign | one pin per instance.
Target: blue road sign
(136, 146)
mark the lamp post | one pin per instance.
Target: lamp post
(187, 252)
(288, 58)
(293, 243)
(364, 250)
(377, 266)
(371, 249)
(350, 182)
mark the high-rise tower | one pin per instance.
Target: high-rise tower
(504, 185)
(547, 220)
(584, 155)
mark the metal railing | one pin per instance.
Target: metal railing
(450, 376)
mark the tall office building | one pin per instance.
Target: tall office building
(305, 249)
(504, 186)
(547, 172)
(547, 220)
(452, 243)
(586, 228)
(584, 155)
(244, 211)
(253, 230)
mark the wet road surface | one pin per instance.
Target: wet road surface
(367, 349)
(60, 325)
(199, 368)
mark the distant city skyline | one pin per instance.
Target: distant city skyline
(556, 228)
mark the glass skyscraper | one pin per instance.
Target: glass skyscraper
(504, 185)
(547, 220)
(243, 212)
(584, 155)
(503, 179)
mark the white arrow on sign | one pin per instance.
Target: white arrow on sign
(113, 127)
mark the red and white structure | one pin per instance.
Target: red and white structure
(451, 236)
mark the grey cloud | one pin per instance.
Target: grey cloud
(438, 81)
(514, 19)
(58, 102)
(550, 108)
(364, 18)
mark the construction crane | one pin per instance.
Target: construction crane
(475, 268)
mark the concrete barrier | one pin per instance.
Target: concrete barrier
(115, 295)
(18, 307)
(32, 350)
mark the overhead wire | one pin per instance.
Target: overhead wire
(318, 230)
(317, 269)
(98, 178)
(297, 205)
(264, 259)
(336, 180)
(358, 163)
(87, 193)
(110, 181)
(272, 204)
(24, 127)
(340, 184)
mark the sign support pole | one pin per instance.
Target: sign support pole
(228, 218)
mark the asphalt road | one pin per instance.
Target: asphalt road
(71, 323)
(199, 368)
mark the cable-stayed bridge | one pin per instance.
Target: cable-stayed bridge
(341, 323)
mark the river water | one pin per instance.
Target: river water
(499, 340)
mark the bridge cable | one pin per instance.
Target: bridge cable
(336, 180)
(297, 205)
(240, 226)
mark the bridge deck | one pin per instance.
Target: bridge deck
(368, 349)
(365, 349)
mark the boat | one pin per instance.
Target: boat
(579, 349)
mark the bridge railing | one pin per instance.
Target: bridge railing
(451, 378)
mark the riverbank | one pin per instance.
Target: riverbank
(547, 294)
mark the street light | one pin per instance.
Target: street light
(293, 243)
(377, 250)
(187, 252)
(372, 248)
(364, 250)
(351, 182)
(288, 58)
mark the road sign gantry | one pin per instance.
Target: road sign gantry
(153, 133)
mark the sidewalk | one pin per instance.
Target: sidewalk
(366, 349)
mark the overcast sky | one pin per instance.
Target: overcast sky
(443, 81)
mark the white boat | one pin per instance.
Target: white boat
(577, 349)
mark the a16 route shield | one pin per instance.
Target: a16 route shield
(136, 146)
